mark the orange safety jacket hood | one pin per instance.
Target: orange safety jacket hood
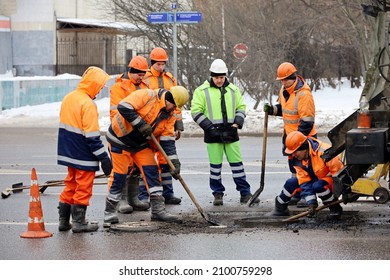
(93, 81)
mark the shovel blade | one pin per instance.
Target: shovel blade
(5, 194)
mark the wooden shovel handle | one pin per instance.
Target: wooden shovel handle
(303, 214)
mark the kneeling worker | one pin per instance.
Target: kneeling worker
(314, 176)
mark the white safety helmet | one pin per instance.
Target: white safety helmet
(219, 66)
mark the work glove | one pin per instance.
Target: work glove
(106, 166)
(175, 173)
(177, 134)
(268, 109)
(146, 130)
(213, 132)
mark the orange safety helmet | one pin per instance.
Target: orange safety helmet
(294, 140)
(158, 54)
(284, 70)
(139, 62)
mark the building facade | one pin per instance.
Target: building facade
(51, 37)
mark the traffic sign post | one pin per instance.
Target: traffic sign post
(240, 51)
(174, 18)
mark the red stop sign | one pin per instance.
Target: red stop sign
(240, 51)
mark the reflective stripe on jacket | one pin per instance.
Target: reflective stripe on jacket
(206, 106)
(314, 168)
(154, 79)
(124, 85)
(144, 105)
(298, 108)
(79, 143)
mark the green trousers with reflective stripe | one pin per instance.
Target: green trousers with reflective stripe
(216, 151)
(232, 152)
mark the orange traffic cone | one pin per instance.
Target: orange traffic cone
(36, 226)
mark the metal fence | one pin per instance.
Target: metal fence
(75, 55)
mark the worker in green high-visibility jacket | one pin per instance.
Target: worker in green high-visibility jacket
(219, 109)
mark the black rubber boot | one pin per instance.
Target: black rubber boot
(110, 212)
(158, 210)
(245, 198)
(335, 211)
(124, 207)
(132, 186)
(280, 210)
(172, 200)
(298, 201)
(64, 210)
(78, 220)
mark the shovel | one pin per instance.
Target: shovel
(304, 214)
(258, 192)
(201, 211)
(62, 183)
(18, 187)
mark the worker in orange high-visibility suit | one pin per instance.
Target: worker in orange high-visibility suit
(158, 77)
(314, 175)
(81, 149)
(296, 106)
(123, 185)
(141, 114)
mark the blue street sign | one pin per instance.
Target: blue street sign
(160, 17)
(168, 17)
(188, 17)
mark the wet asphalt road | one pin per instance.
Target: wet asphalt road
(22, 149)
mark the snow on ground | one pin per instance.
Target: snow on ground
(332, 106)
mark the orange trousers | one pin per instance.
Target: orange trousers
(121, 162)
(146, 162)
(78, 186)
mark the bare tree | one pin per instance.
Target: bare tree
(324, 39)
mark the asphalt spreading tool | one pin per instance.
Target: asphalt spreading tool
(264, 152)
(304, 214)
(19, 187)
(201, 211)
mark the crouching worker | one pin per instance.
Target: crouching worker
(141, 114)
(314, 176)
(81, 149)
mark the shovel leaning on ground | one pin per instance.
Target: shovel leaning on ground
(201, 211)
(18, 187)
(263, 158)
